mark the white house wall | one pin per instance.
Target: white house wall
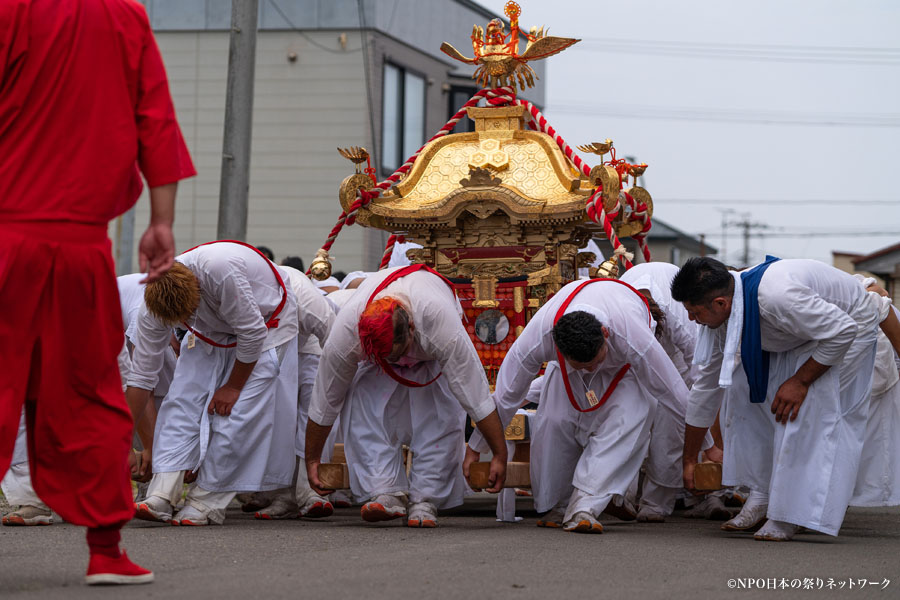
(302, 112)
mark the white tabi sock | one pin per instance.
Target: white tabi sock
(777, 531)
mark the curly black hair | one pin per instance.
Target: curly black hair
(579, 336)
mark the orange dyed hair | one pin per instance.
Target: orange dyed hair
(174, 297)
(376, 327)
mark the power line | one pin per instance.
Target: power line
(306, 36)
(753, 52)
(892, 50)
(731, 116)
(781, 201)
(841, 233)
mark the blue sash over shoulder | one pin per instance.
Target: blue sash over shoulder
(754, 359)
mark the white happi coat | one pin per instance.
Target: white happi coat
(807, 310)
(679, 333)
(131, 299)
(879, 467)
(250, 449)
(598, 452)
(378, 414)
(316, 318)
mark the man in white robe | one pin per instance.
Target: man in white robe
(879, 468)
(797, 448)
(316, 315)
(678, 338)
(426, 342)
(131, 299)
(231, 410)
(581, 462)
(679, 335)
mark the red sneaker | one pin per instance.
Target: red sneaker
(104, 570)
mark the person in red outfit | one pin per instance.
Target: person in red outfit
(85, 109)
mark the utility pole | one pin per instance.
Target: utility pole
(724, 252)
(746, 226)
(235, 184)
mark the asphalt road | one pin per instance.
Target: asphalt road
(469, 556)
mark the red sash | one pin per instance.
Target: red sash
(272, 323)
(403, 271)
(562, 361)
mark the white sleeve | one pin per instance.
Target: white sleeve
(808, 316)
(705, 396)
(531, 349)
(124, 364)
(684, 337)
(151, 342)
(239, 309)
(534, 391)
(315, 313)
(444, 337)
(659, 376)
(337, 368)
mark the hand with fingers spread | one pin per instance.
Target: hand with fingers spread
(788, 399)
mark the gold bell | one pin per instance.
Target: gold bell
(609, 268)
(320, 267)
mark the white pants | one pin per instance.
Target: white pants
(16, 484)
(587, 458)
(170, 486)
(381, 415)
(808, 467)
(309, 365)
(879, 467)
(247, 451)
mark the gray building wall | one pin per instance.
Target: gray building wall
(304, 109)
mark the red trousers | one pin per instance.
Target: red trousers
(60, 334)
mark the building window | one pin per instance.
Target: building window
(459, 95)
(403, 130)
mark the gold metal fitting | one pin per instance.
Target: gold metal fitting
(320, 268)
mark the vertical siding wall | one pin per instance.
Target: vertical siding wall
(302, 112)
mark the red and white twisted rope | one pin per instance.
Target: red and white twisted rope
(499, 97)
(496, 97)
(594, 204)
(389, 249)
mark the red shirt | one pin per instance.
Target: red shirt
(84, 103)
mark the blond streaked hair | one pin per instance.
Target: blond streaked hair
(175, 296)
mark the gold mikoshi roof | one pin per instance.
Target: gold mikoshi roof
(524, 170)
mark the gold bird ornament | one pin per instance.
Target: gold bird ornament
(598, 148)
(497, 52)
(355, 154)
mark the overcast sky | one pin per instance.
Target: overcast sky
(786, 112)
